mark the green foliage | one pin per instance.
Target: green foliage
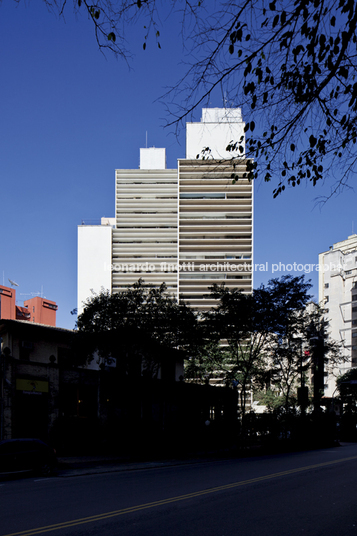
(207, 361)
(270, 398)
(264, 340)
(261, 330)
(143, 310)
(347, 387)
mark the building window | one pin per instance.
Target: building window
(327, 285)
(327, 299)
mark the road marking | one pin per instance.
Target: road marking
(130, 509)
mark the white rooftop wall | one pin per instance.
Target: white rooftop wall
(153, 158)
(94, 261)
(218, 127)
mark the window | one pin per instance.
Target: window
(327, 285)
(203, 196)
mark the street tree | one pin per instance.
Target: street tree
(301, 349)
(347, 388)
(142, 312)
(290, 64)
(238, 322)
(267, 338)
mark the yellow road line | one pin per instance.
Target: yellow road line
(114, 513)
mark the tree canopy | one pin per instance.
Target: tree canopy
(268, 340)
(289, 64)
(143, 311)
(347, 386)
(271, 338)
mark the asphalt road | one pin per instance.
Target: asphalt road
(309, 493)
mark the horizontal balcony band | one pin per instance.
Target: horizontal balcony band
(203, 250)
(146, 232)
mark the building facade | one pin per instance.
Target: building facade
(37, 310)
(46, 393)
(338, 295)
(188, 227)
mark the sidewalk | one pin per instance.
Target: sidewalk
(90, 465)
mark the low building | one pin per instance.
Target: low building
(46, 392)
(30, 382)
(37, 310)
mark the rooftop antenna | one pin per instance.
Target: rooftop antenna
(12, 283)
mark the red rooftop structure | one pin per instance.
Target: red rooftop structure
(37, 310)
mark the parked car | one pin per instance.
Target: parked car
(25, 455)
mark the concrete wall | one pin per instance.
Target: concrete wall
(337, 278)
(94, 261)
(218, 127)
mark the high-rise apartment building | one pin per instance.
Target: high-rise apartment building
(189, 227)
(338, 294)
(144, 240)
(215, 229)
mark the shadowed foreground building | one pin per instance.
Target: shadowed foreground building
(46, 393)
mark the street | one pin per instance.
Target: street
(310, 493)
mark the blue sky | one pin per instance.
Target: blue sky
(70, 116)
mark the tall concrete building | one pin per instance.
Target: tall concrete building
(189, 227)
(338, 294)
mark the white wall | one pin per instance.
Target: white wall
(94, 261)
(218, 127)
(153, 158)
(338, 271)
